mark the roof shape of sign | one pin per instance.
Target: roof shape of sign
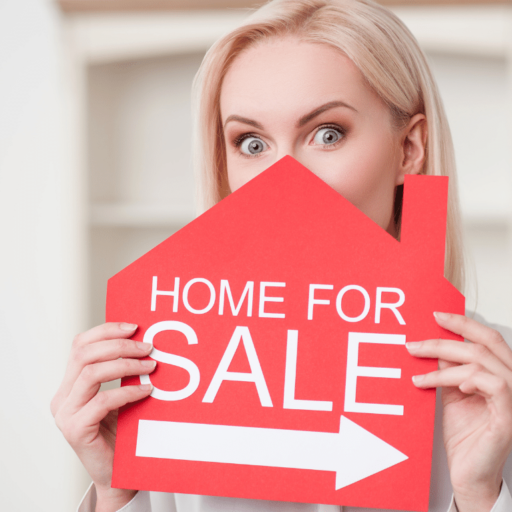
(289, 207)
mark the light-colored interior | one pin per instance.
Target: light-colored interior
(95, 171)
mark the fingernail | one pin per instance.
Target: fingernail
(127, 327)
(441, 316)
(413, 345)
(145, 347)
(148, 362)
(416, 379)
(145, 387)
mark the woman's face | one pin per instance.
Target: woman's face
(309, 101)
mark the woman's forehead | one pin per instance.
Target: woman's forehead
(290, 75)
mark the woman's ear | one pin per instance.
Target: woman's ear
(413, 147)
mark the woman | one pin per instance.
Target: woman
(341, 86)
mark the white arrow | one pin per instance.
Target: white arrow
(354, 453)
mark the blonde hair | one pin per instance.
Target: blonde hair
(387, 55)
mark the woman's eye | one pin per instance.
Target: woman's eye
(326, 136)
(252, 146)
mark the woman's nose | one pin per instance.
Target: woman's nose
(287, 151)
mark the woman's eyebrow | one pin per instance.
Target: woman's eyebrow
(244, 120)
(326, 106)
(302, 121)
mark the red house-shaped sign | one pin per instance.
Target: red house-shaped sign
(279, 319)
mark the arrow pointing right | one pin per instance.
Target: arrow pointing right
(354, 453)
(361, 454)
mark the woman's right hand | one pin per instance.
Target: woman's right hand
(87, 417)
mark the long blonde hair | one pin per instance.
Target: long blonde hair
(387, 55)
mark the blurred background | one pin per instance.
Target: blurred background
(95, 169)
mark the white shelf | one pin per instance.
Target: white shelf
(479, 30)
(143, 215)
(139, 215)
(487, 220)
(485, 215)
(103, 38)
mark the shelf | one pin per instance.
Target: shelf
(148, 5)
(499, 220)
(112, 37)
(477, 30)
(139, 215)
(151, 5)
(143, 215)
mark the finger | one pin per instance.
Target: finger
(462, 353)
(93, 375)
(109, 350)
(477, 333)
(496, 391)
(107, 401)
(446, 364)
(85, 421)
(487, 385)
(108, 331)
(101, 351)
(447, 377)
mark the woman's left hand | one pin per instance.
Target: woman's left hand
(476, 379)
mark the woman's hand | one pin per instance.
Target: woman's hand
(87, 418)
(477, 407)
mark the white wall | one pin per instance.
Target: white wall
(41, 293)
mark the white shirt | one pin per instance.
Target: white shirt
(441, 497)
(145, 501)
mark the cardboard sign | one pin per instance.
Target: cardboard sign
(279, 319)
